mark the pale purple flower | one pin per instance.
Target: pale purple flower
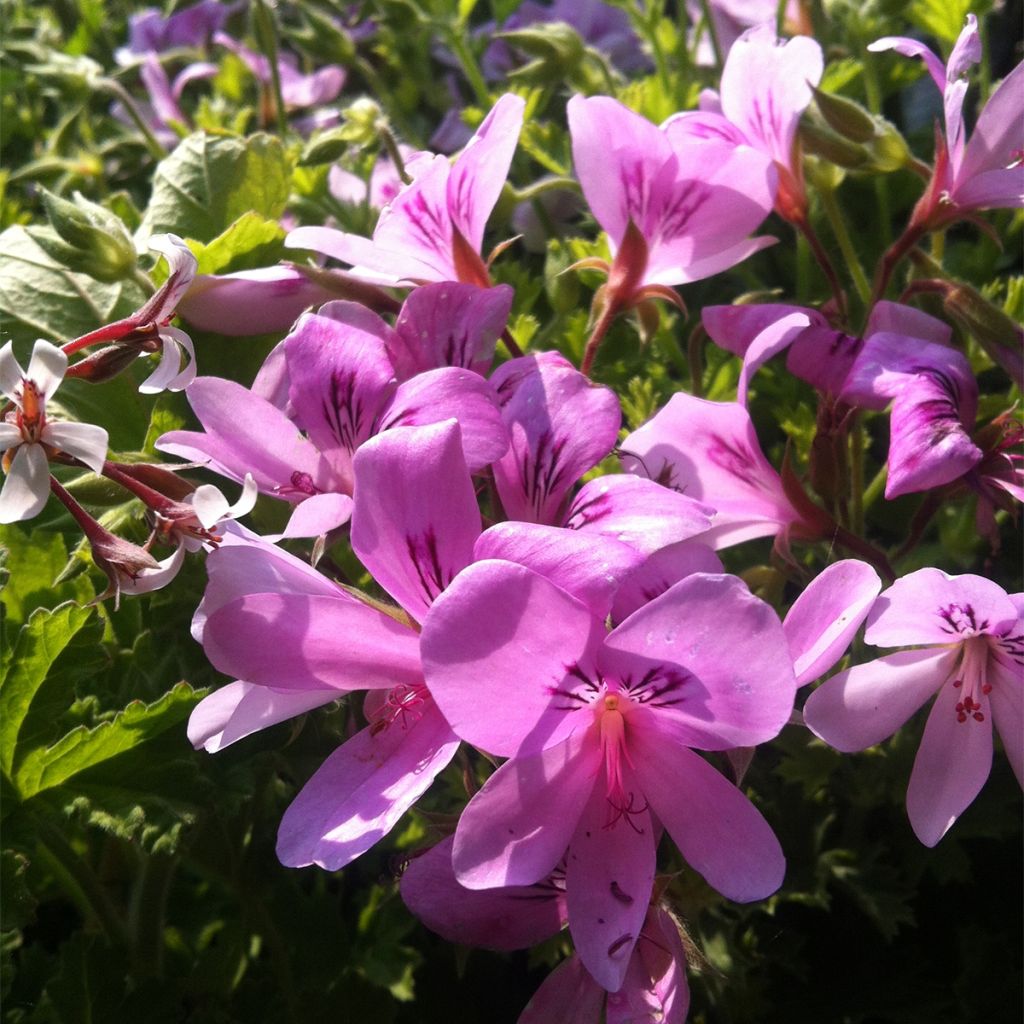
(676, 209)
(150, 32)
(297, 89)
(710, 452)
(28, 438)
(985, 171)
(514, 917)
(967, 641)
(434, 228)
(383, 187)
(767, 83)
(342, 389)
(597, 727)
(731, 18)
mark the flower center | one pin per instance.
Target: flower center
(31, 414)
(404, 704)
(611, 710)
(972, 679)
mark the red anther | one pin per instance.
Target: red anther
(961, 717)
(960, 706)
(986, 689)
(978, 716)
(958, 683)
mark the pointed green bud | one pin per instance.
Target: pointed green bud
(361, 122)
(324, 148)
(889, 150)
(96, 240)
(820, 140)
(998, 334)
(845, 117)
(557, 48)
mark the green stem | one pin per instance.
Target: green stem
(857, 475)
(835, 219)
(77, 879)
(388, 139)
(141, 278)
(660, 61)
(147, 913)
(881, 181)
(709, 24)
(266, 33)
(115, 88)
(538, 188)
(875, 489)
(470, 67)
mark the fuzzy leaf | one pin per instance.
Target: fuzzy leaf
(209, 181)
(251, 241)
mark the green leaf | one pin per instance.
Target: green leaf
(40, 643)
(251, 241)
(40, 298)
(209, 181)
(944, 18)
(34, 560)
(84, 748)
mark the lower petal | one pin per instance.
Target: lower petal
(951, 766)
(358, 794)
(26, 486)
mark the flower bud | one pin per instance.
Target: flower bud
(95, 240)
(361, 122)
(557, 47)
(845, 117)
(996, 332)
(822, 141)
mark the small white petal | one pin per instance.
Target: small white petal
(27, 485)
(211, 506)
(181, 265)
(47, 367)
(11, 374)
(84, 441)
(167, 369)
(153, 579)
(10, 435)
(184, 343)
(247, 501)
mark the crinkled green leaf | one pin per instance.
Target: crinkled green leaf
(84, 748)
(251, 241)
(27, 665)
(39, 298)
(209, 181)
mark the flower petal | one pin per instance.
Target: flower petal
(26, 486)
(502, 629)
(415, 517)
(47, 367)
(717, 659)
(1007, 703)
(659, 572)
(300, 642)
(568, 995)
(358, 794)
(82, 440)
(718, 830)
(517, 827)
(825, 617)
(512, 917)
(951, 766)
(608, 880)
(931, 607)
(863, 705)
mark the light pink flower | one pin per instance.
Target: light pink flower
(434, 228)
(28, 438)
(968, 648)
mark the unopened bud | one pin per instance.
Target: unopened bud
(99, 244)
(324, 148)
(820, 140)
(361, 122)
(159, 478)
(104, 364)
(996, 332)
(889, 150)
(845, 117)
(557, 47)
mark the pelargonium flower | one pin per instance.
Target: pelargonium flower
(598, 729)
(148, 329)
(434, 227)
(514, 917)
(986, 170)
(150, 32)
(674, 210)
(967, 636)
(29, 439)
(544, 399)
(342, 390)
(767, 84)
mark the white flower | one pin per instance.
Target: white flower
(28, 439)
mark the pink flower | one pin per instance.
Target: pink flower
(968, 648)
(986, 170)
(767, 83)
(433, 229)
(674, 210)
(28, 438)
(597, 728)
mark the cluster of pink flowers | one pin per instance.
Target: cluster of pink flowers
(581, 631)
